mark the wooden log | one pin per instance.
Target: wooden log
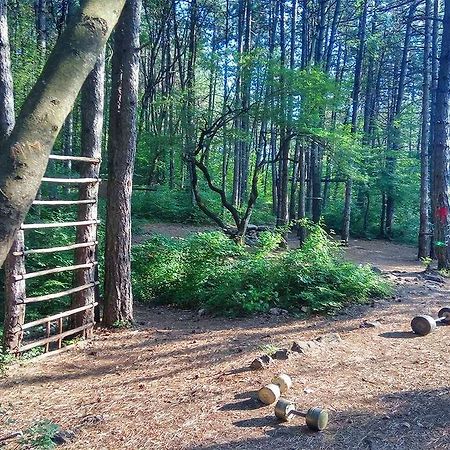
(41, 273)
(39, 226)
(76, 158)
(55, 249)
(58, 316)
(42, 298)
(57, 337)
(62, 202)
(71, 180)
(14, 296)
(10, 436)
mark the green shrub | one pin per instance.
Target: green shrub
(209, 270)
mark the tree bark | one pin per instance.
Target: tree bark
(24, 156)
(345, 234)
(121, 157)
(14, 297)
(6, 82)
(92, 100)
(14, 265)
(441, 150)
(424, 236)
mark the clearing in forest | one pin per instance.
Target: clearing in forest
(179, 381)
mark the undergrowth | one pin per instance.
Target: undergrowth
(210, 271)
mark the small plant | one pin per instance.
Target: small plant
(40, 436)
(5, 360)
(269, 349)
(122, 324)
(426, 262)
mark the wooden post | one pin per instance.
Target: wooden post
(14, 296)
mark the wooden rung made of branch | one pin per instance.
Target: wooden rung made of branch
(71, 180)
(76, 158)
(41, 273)
(38, 226)
(49, 319)
(55, 249)
(56, 337)
(42, 298)
(63, 202)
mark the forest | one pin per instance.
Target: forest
(203, 182)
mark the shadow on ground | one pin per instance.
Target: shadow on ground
(413, 420)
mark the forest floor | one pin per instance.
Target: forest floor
(180, 381)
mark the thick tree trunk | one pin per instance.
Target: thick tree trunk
(121, 157)
(14, 265)
(441, 150)
(24, 156)
(92, 100)
(14, 297)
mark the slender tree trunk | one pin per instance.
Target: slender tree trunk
(424, 236)
(121, 157)
(24, 156)
(301, 232)
(441, 150)
(40, 7)
(434, 78)
(92, 99)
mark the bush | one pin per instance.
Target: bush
(209, 270)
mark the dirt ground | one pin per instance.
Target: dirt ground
(179, 381)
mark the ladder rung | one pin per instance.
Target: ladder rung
(55, 249)
(71, 180)
(38, 226)
(76, 158)
(63, 202)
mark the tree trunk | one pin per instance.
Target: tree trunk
(6, 82)
(14, 296)
(121, 157)
(345, 235)
(441, 149)
(434, 77)
(301, 232)
(92, 99)
(424, 236)
(24, 156)
(316, 183)
(14, 265)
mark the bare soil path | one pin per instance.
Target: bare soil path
(179, 381)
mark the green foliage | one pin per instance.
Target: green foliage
(209, 270)
(121, 324)
(40, 436)
(175, 206)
